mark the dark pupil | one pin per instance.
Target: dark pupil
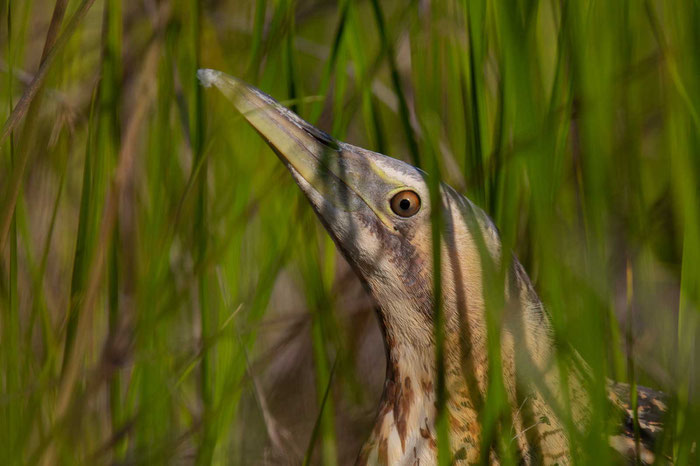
(405, 204)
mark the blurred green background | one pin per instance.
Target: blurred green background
(167, 295)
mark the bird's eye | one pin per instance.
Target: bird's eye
(405, 203)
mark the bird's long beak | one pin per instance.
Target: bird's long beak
(313, 157)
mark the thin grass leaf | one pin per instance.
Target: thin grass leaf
(317, 425)
(256, 45)
(404, 113)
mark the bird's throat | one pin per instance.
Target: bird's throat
(405, 425)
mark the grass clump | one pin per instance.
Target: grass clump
(166, 294)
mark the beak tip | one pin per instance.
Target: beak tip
(208, 77)
(236, 90)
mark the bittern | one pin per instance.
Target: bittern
(377, 209)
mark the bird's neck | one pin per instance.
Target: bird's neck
(404, 429)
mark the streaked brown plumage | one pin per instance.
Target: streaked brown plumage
(377, 210)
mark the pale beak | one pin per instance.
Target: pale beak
(329, 167)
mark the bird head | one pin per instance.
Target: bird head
(376, 208)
